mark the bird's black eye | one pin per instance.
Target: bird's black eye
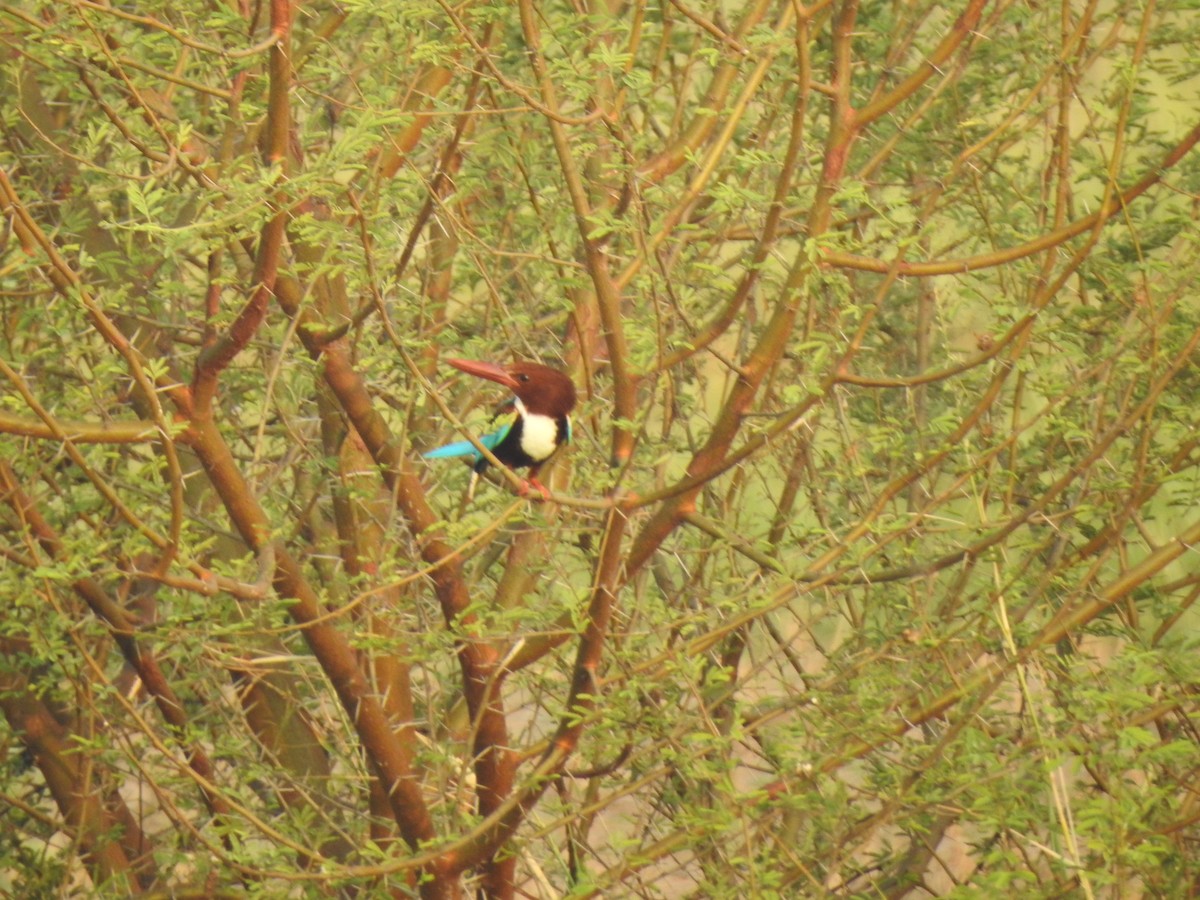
(522, 377)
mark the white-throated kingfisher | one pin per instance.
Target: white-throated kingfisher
(537, 425)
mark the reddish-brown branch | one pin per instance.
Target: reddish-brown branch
(428, 86)
(703, 125)
(551, 112)
(68, 283)
(66, 773)
(492, 835)
(478, 659)
(988, 677)
(770, 232)
(362, 511)
(217, 356)
(390, 757)
(584, 689)
(710, 459)
(448, 164)
(608, 300)
(80, 432)
(840, 259)
(964, 26)
(122, 628)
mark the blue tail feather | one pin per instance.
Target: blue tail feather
(459, 448)
(466, 448)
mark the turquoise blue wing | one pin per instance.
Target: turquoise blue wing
(466, 448)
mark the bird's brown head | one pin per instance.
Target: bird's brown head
(542, 389)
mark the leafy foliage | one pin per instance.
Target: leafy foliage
(869, 572)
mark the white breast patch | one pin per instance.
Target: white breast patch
(539, 434)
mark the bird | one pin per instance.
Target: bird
(537, 423)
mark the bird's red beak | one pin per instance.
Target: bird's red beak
(484, 370)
